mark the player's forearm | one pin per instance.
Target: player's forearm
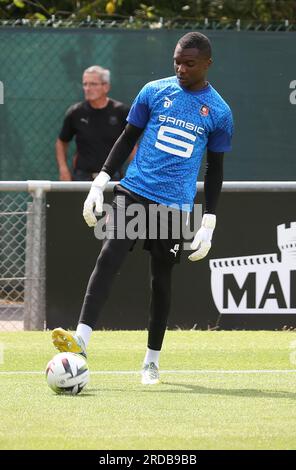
(213, 181)
(61, 154)
(122, 148)
(61, 157)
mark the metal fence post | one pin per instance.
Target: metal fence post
(28, 267)
(34, 309)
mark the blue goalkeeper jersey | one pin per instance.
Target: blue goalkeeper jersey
(179, 125)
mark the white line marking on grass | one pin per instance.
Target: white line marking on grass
(181, 372)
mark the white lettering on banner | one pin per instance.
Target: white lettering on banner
(188, 148)
(1, 93)
(293, 94)
(259, 283)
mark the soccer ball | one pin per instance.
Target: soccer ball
(67, 373)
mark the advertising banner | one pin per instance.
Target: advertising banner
(247, 281)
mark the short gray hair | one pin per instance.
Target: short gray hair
(104, 74)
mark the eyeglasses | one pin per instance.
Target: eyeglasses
(92, 84)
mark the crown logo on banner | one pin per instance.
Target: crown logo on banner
(287, 242)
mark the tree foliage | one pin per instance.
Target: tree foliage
(258, 10)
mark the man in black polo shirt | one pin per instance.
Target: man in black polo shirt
(96, 123)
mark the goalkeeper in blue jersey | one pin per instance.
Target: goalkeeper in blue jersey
(175, 120)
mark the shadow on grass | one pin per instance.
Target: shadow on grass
(246, 392)
(178, 388)
(90, 392)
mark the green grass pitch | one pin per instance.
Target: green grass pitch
(218, 390)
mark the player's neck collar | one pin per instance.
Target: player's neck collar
(102, 105)
(202, 90)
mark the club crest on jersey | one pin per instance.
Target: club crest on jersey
(167, 102)
(204, 110)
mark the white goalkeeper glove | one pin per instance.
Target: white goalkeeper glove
(94, 201)
(203, 238)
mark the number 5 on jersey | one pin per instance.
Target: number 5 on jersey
(186, 146)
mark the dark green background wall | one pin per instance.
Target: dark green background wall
(41, 71)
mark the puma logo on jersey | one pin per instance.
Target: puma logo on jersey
(84, 120)
(167, 102)
(175, 250)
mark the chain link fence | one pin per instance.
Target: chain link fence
(41, 75)
(22, 262)
(42, 65)
(13, 227)
(132, 22)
